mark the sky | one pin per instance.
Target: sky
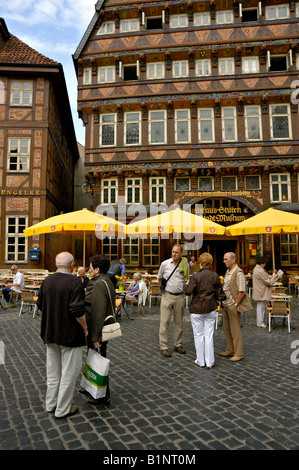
(54, 28)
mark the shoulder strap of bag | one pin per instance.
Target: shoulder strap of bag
(173, 271)
(110, 302)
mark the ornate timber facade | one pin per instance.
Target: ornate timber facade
(193, 102)
(38, 151)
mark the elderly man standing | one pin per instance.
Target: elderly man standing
(175, 271)
(262, 284)
(63, 329)
(237, 301)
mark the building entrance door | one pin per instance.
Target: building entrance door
(217, 248)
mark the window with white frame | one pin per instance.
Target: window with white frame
(277, 63)
(277, 12)
(18, 155)
(130, 25)
(205, 183)
(130, 250)
(182, 125)
(151, 252)
(132, 128)
(110, 248)
(229, 124)
(289, 250)
(280, 121)
(250, 65)
(87, 76)
(224, 17)
(16, 243)
(133, 190)
(205, 125)
(129, 71)
(202, 19)
(180, 68)
(182, 184)
(106, 74)
(280, 187)
(153, 22)
(229, 183)
(107, 130)
(108, 27)
(109, 191)
(155, 70)
(157, 127)
(21, 93)
(253, 125)
(252, 182)
(178, 21)
(226, 66)
(157, 190)
(203, 67)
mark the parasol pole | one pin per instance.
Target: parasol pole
(273, 252)
(84, 242)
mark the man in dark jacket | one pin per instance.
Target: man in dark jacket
(63, 329)
(117, 268)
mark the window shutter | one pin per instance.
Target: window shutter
(138, 68)
(268, 60)
(289, 59)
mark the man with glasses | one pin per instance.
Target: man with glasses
(17, 284)
(173, 299)
(237, 301)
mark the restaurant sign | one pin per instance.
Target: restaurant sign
(20, 192)
(224, 214)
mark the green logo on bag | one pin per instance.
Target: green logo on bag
(93, 377)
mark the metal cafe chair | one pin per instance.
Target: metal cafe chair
(28, 300)
(279, 308)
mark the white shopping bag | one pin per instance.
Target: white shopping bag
(95, 374)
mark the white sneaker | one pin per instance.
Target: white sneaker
(262, 325)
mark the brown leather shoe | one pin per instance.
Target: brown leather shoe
(236, 358)
(226, 354)
(165, 353)
(180, 350)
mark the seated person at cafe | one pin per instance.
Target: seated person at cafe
(137, 288)
(17, 284)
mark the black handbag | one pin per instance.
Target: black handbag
(221, 295)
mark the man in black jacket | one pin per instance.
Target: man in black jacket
(63, 329)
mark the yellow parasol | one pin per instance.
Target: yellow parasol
(176, 221)
(82, 221)
(270, 221)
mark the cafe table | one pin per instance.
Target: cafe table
(121, 294)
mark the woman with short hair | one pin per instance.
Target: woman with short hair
(204, 285)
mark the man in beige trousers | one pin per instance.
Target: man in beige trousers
(237, 301)
(261, 292)
(173, 300)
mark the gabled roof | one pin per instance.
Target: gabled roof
(88, 32)
(15, 51)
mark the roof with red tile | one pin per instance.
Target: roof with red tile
(15, 51)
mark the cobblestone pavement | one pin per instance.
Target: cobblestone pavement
(157, 403)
